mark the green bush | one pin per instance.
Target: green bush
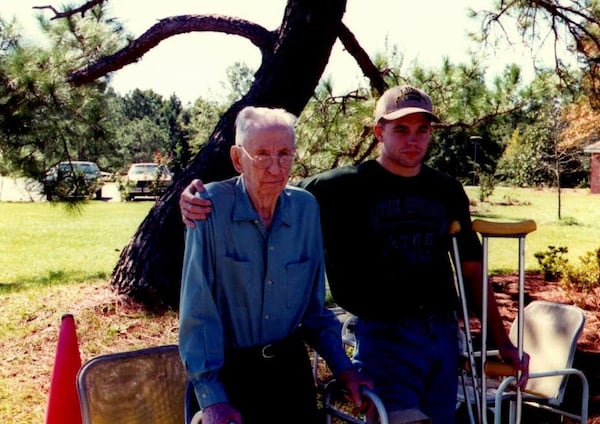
(569, 221)
(486, 186)
(587, 274)
(553, 262)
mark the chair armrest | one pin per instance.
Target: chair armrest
(197, 418)
(333, 389)
(506, 382)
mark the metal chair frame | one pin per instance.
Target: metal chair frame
(546, 325)
(330, 390)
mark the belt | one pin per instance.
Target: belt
(420, 313)
(267, 351)
(431, 313)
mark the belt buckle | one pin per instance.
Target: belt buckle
(266, 351)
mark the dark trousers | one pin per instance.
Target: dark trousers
(272, 385)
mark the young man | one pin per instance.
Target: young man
(385, 228)
(253, 288)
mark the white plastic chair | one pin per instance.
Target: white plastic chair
(550, 334)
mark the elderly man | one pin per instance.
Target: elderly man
(253, 288)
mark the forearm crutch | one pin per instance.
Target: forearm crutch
(460, 290)
(518, 230)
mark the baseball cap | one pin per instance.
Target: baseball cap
(403, 100)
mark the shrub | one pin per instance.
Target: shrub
(587, 274)
(486, 186)
(569, 221)
(552, 262)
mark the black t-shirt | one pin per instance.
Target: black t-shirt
(386, 239)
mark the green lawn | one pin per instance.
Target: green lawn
(578, 230)
(44, 244)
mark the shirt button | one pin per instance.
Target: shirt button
(269, 282)
(267, 316)
(271, 248)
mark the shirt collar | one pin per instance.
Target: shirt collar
(244, 211)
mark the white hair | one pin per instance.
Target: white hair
(252, 118)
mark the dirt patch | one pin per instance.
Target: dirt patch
(106, 323)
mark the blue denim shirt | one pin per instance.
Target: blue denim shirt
(244, 286)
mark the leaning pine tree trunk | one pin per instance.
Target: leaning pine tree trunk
(149, 268)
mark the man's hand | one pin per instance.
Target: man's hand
(221, 413)
(510, 355)
(191, 206)
(352, 381)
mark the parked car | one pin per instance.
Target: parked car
(146, 179)
(74, 179)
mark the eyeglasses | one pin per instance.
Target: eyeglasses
(264, 161)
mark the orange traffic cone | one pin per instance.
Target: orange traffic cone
(63, 401)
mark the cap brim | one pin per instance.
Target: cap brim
(409, 111)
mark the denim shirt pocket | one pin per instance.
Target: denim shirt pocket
(298, 281)
(239, 277)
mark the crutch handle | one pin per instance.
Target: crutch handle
(503, 229)
(454, 228)
(499, 369)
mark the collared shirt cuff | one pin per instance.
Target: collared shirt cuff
(209, 394)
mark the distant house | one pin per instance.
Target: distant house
(594, 149)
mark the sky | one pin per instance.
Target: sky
(193, 65)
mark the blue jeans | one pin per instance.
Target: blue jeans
(413, 363)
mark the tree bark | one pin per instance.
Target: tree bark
(149, 268)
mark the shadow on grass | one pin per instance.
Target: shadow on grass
(52, 278)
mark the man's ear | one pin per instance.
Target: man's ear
(236, 158)
(377, 130)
